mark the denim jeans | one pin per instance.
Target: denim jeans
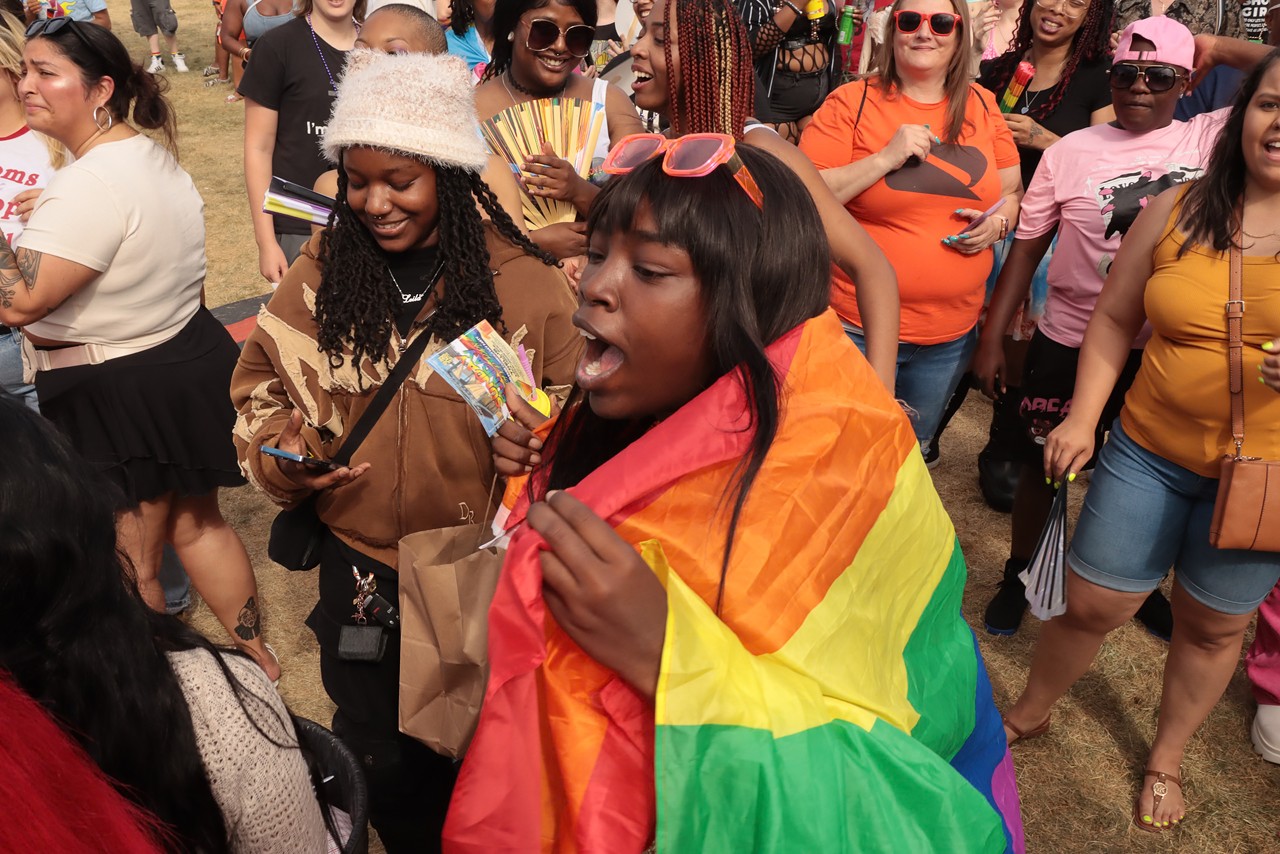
(11, 368)
(927, 375)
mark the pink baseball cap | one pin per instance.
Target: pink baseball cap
(1174, 43)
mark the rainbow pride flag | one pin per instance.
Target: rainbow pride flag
(837, 702)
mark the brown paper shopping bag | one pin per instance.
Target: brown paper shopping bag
(446, 585)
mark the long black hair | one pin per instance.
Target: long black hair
(98, 53)
(761, 273)
(79, 639)
(1210, 214)
(1090, 43)
(506, 16)
(357, 299)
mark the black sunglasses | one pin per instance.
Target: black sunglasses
(543, 35)
(940, 23)
(53, 26)
(1159, 78)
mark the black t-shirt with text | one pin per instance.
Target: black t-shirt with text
(286, 74)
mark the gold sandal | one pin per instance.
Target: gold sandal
(1159, 790)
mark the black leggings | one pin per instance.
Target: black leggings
(409, 784)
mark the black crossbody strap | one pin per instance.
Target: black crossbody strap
(408, 359)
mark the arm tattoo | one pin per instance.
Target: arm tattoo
(249, 624)
(29, 266)
(14, 269)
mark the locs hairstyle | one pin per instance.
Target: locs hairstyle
(752, 298)
(716, 92)
(133, 87)
(357, 300)
(1091, 43)
(1210, 209)
(506, 16)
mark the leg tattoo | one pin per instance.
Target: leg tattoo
(250, 625)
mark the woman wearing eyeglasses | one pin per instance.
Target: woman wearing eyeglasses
(107, 285)
(1151, 498)
(696, 644)
(918, 155)
(1087, 191)
(537, 47)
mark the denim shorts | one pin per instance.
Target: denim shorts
(1144, 515)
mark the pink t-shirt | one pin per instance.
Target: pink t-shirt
(1091, 185)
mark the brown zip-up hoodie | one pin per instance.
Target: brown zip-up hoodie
(430, 461)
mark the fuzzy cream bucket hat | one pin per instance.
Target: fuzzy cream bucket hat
(413, 103)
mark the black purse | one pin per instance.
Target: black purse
(296, 534)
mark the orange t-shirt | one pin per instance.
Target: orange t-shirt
(909, 211)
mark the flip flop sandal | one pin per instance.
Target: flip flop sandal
(209, 71)
(1023, 735)
(1159, 789)
(217, 81)
(233, 98)
(275, 683)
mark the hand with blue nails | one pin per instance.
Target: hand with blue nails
(980, 239)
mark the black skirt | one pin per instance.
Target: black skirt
(154, 422)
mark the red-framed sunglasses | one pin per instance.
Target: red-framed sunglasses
(692, 156)
(940, 23)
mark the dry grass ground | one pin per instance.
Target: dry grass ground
(1077, 783)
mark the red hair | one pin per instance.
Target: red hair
(56, 797)
(717, 78)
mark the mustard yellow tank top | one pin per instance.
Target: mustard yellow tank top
(1179, 406)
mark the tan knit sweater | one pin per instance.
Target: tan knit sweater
(264, 791)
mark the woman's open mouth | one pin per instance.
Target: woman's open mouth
(599, 361)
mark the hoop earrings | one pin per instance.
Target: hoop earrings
(110, 118)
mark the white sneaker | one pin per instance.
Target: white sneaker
(157, 64)
(180, 62)
(1266, 733)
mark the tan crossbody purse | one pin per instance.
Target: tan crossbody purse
(1246, 514)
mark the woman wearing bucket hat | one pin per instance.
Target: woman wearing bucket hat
(406, 254)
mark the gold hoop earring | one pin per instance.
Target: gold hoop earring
(110, 118)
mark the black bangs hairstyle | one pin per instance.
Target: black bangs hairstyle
(1210, 213)
(357, 300)
(507, 14)
(752, 297)
(81, 642)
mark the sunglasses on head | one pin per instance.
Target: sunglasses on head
(544, 33)
(1159, 78)
(53, 26)
(940, 23)
(692, 156)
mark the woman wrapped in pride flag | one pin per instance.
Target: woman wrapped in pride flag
(729, 618)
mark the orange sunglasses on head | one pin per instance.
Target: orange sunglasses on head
(694, 155)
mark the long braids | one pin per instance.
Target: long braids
(357, 300)
(1091, 43)
(717, 78)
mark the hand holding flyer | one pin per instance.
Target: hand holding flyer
(479, 364)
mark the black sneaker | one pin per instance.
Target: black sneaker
(998, 481)
(931, 456)
(1156, 616)
(1005, 610)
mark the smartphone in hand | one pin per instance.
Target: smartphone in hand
(310, 462)
(985, 216)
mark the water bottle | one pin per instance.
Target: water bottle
(845, 31)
